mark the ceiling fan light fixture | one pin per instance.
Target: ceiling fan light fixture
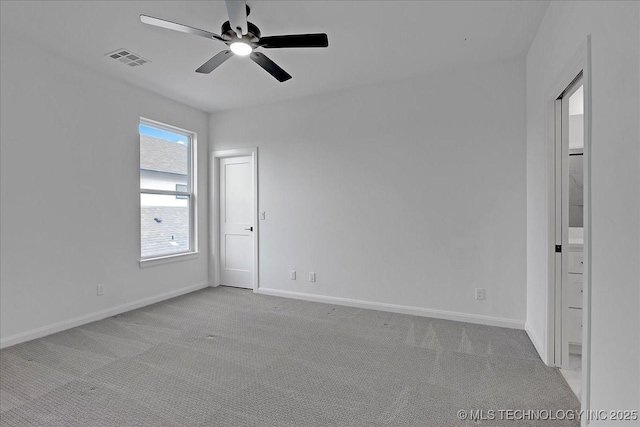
(241, 48)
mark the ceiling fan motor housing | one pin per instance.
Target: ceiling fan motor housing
(253, 32)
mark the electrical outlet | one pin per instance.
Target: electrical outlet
(312, 277)
(481, 293)
(100, 290)
(292, 275)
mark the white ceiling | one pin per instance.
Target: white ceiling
(369, 42)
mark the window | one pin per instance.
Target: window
(167, 196)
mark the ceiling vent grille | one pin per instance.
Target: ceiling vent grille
(127, 57)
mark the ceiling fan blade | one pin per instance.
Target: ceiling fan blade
(237, 10)
(270, 66)
(163, 23)
(294, 40)
(214, 62)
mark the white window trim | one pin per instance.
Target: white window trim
(168, 259)
(192, 253)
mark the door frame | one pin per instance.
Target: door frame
(579, 63)
(214, 211)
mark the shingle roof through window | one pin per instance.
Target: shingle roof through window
(163, 156)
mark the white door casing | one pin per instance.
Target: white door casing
(551, 344)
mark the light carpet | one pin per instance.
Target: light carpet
(229, 357)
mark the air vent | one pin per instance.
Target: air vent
(127, 57)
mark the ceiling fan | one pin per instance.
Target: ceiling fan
(243, 38)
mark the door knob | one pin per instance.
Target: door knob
(249, 229)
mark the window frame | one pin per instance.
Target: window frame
(190, 195)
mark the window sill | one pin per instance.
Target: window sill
(152, 262)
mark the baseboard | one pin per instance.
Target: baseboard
(536, 343)
(395, 308)
(92, 317)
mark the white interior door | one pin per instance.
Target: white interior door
(569, 222)
(236, 222)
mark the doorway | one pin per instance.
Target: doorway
(234, 234)
(569, 232)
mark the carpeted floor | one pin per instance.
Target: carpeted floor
(228, 357)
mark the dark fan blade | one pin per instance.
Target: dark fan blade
(237, 10)
(294, 40)
(270, 66)
(214, 62)
(178, 27)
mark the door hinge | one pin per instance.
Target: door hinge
(558, 248)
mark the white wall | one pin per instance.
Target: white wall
(615, 186)
(69, 189)
(410, 193)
